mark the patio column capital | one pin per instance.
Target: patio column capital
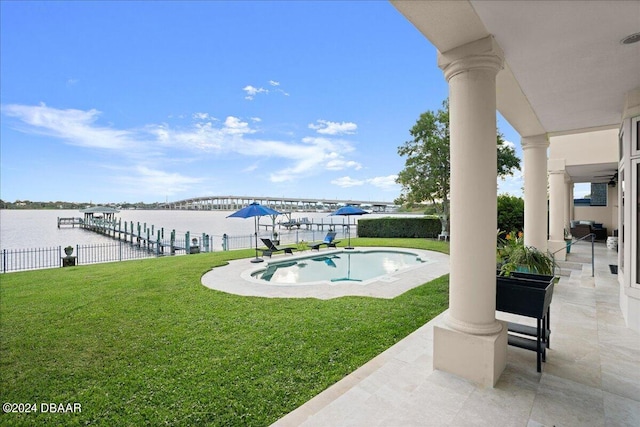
(535, 141)
(556, 167)
(483, 54)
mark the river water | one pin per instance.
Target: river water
(24, 229)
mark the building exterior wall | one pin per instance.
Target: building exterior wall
(607, 215)
(629, 212)
(586, 148)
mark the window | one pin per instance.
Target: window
(637, 222)
(635, 137)
(622, 217)
(598, 194)
(636, 133)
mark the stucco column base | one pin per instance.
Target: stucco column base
(478, 358)
(558, 245)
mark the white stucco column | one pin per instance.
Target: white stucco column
(472, 343)
(557, 201)
(571, 206)
(534, 150)
(568, 203)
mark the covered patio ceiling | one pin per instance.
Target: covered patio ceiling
(566, 69)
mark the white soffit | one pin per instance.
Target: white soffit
(565, 67)
(449, 24)
(567, 57)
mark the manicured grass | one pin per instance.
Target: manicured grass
(144, 343)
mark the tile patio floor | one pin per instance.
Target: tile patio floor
(591, 377)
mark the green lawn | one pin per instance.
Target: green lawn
(144, 343)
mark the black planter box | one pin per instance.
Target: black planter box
(528, 295)
(524, 294)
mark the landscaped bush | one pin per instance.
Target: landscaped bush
(399, 227)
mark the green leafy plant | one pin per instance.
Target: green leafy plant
(513, 255)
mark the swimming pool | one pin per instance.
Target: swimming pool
(338, 267)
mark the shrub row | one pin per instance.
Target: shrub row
(399, 227)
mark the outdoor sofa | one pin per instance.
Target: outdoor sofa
(581, 228)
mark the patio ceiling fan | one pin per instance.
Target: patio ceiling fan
(613, 179)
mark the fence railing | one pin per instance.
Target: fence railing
(30, 259)
(12, 260)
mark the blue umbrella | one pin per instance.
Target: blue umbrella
(255, 210)
(348, 211)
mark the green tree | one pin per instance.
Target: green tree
(510, 213)
(426, 175)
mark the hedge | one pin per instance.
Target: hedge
(399, 227)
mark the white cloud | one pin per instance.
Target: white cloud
(276, 85)
(77, 127)
(201, 116)
(340, 164)
(250, 168)
(511, 185)
(308, 156)
(235, 126)
(347, 181)
(149, 181)
(385, 182)
(253, 91)
(334, 128)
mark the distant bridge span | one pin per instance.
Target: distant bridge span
(229, 203)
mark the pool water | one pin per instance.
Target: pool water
(338, 267)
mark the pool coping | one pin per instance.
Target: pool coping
(235, 278)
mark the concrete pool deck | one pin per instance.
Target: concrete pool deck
(591, 377)
(235, 278)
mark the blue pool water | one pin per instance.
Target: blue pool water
(338, 267)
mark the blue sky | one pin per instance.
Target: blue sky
(155, 101)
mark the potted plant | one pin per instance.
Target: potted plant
(513, 255)
(524, 283)
(524, 286)
(68, 260)
(275, 239)
(568, 238)
(194, 248)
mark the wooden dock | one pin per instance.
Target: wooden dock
(305, 222)
(146, 238)
(70, 222)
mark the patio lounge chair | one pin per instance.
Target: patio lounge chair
(328, 240)
(271, 248)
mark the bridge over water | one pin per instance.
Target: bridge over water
(284, 204)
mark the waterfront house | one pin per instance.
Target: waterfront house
(566, 76)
